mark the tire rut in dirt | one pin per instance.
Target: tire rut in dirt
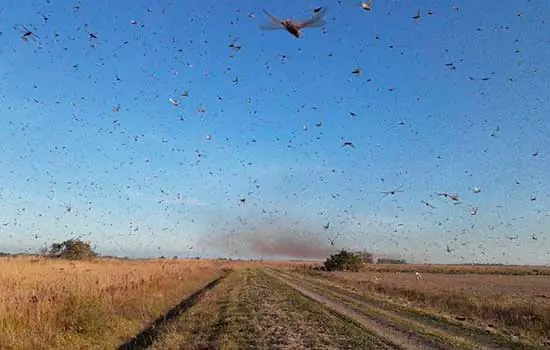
(477, 338)
(252, 310)
(148, 336)
(468, 336)
(284, 319)
(204, 324)
(388, 332)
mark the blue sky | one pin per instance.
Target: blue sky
(157, 179)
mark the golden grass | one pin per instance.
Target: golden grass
(517, 304)
(56, 304)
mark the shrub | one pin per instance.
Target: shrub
(72, 249)
(344, 261)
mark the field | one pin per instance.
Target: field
(215, 304)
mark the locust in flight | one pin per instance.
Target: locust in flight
(295, 27)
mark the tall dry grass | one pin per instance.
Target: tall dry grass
(55, 304)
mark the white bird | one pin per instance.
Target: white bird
(367, 6)
(174, 102)
(476, 189)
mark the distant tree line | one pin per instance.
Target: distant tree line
(391, 261)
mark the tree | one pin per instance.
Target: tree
(72, 249)
(344, 261)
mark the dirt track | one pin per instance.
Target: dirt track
(401, 328)
(273, 309)
(399, 338)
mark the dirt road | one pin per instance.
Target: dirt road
(401, 339)
(272, 309)
(401, 328)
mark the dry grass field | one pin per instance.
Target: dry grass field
(47, 304)
(215, 304)
(60, 304)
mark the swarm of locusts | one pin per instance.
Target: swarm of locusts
(295, 27)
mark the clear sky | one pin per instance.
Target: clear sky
(92, 146)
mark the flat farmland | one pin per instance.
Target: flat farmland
(462, 269)
(520, 288)
(513, 303)
(221, 304)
